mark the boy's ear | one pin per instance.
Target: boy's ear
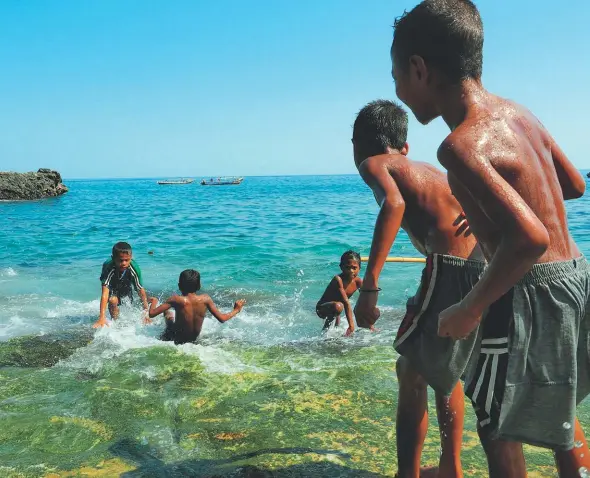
(418, 65)
(406, 149)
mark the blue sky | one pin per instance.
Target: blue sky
(129, 88)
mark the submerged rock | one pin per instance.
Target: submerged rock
(42, 350)
(28, 186)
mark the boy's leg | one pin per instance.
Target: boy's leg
(505, 458)
(570, 462)
(411, 420)
(330, 311)
(450, 411)
(114, 307)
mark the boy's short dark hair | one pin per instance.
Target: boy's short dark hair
(189, 281)
(350, 255)
(448, 34)
(121, 248)
(382, 123)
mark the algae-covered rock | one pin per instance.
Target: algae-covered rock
(41, 350)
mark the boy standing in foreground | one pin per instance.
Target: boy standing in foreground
(416, 197)
(119, 275)
(511, 179)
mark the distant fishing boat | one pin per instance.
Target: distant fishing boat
(225, 181)
(176, 181)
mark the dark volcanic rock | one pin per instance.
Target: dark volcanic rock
(26, 186)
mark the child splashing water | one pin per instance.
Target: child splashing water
(334, 301)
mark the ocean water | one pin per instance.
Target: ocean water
(264, 393)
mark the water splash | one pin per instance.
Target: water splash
(8, 272)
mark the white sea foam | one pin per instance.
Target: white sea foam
(8, 272)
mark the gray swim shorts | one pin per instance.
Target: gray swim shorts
(532, 368)
(440, 360)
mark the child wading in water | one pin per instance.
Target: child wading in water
(335, 298)
(120, 275)
(190, 309)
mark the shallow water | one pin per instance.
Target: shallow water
(265, 392)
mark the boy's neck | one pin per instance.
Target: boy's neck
(386, 152)
(346, 278)
(455, 100)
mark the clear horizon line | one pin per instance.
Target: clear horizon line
(203, 176)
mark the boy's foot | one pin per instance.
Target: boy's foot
(429, 472)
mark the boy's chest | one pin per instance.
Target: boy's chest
(350, 288)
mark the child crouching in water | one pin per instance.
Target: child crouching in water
(190, 309)
(339, 290)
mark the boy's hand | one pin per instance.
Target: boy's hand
(101, 322)
(349, 331)
(457, 322)
(462, 226)
(239, 304)
(153, 300)
(146, 318)
(366, 311)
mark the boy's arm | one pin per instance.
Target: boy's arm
(137, 283)
(347, 307)
(142, 293)
(155, 311)
(571, 181)
(104, 299)
(523, 238)
(376, 175)
(223, 317)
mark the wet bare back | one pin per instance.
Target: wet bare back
(508, 138)
(432, 215)
(190, 314)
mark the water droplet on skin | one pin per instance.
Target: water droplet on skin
(583, 472)
(578, 444)
(567, 425)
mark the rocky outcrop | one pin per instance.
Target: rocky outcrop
(27, 186)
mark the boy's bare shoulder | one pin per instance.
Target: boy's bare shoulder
(175, 299)
(202, 298)
(494, 133)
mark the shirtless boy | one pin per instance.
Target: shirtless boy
(416, 197)
(190, 309)
(335, 299)
(511, 179)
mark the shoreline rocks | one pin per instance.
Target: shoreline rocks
(45, 183)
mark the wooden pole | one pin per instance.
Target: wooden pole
(399, 259)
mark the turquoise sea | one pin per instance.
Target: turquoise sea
(265, 394)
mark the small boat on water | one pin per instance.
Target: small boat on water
(225, 181)
(176, 181)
